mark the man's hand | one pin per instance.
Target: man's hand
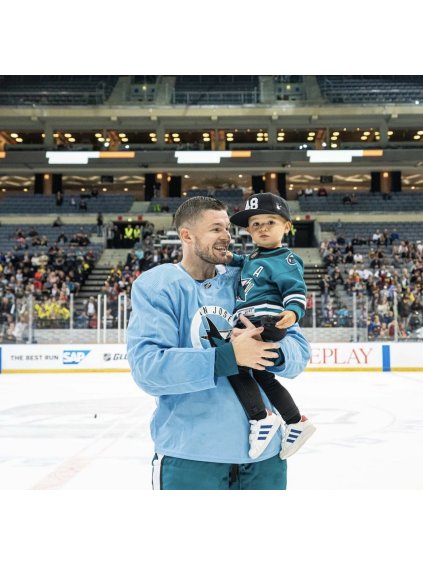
(248, 350)
(236, 331)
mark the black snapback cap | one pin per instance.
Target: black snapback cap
(261, 204)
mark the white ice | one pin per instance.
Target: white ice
(91, 431)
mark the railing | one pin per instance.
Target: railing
(206, 98)
(28, 316)
(355, 318)
(106, 321)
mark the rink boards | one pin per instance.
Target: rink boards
(325, 357)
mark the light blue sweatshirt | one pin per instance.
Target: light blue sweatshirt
(179, 352)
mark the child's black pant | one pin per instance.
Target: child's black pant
(246, 388)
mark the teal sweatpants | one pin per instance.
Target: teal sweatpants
(171, 473)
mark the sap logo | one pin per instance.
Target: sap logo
(74, 357)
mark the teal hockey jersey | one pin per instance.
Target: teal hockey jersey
(271, 282)
(179, 352)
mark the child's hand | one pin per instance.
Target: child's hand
(287, 318)
(228, 257)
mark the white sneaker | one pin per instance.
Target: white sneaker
(262, 432)
(295, 436)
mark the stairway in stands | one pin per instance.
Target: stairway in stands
(313, 270)
(109, 259)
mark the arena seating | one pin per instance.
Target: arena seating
(367, 89)
(411, 231)
(8, 238)
(40, 204)
(56, 90)
(233, 89)
(365, 202)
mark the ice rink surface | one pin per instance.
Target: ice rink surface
(91, 431)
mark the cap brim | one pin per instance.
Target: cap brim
(241, 218)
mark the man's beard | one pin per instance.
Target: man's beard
(206, 255)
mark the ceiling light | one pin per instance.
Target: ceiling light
(14, 135)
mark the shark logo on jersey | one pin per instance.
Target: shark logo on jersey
(211, 327)
(244, 288)
(290, 259)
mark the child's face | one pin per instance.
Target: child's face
(268, 230)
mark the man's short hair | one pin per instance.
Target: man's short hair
(191, 208)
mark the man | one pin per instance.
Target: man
(180, 350)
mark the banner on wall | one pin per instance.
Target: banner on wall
(325, 357)
(63, 358)
(346, 356)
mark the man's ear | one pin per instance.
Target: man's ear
(185, 235)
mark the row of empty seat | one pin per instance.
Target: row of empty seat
(56, 90)
(358, 89)
(365, 202)
(411, 231)
(41, 204)
(227, 89)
